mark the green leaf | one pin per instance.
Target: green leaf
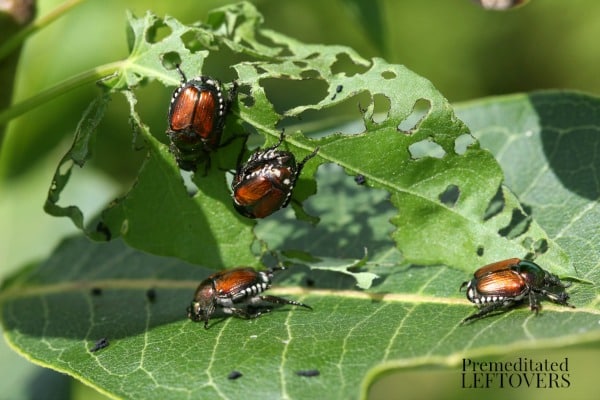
(80, 152)
(160, 216)
(546, 144)
(159, 353)
(417, 163)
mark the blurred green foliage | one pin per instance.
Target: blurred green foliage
(465, 51)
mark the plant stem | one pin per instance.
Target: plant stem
(63, 87)
(15, 41)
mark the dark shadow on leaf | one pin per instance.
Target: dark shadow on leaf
(124, 276)
(571, 139)
(495, 206)
(352, 218)
(331, 280)
(450, 195)
(518, 225)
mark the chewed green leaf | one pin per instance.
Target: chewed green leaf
(81, 150)
(451, 206)
(149, 54)
(159, 214)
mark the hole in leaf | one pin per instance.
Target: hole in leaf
(450, 196)
(312, 56)
(344, 64)
(462, 143)
(104, 229)
(496, 205)
(284, 50)
(527, 242)
(246, 100)
(388, 74)
(327, 124)
(540, 246)
(426, 148)
(381, 108)
(260, 70)
(170, 60)
(310, 74)
(65, 167)
(419, 112)
(519, 224)
(191, 42)
(286, 94)
(300, 64)
(480, 251)
(157, 32)
(188, 181)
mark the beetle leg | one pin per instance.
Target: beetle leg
(280, 300)
(483, 311)
(560, 298)
(230, 140)
(206, 165)
(249, 312)
(534, 302)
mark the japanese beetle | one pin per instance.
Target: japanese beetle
(506, 283)
(264, 184)
(196, 119)
(236, 292)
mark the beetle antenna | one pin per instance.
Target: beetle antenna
(183, 78)
(281, 136)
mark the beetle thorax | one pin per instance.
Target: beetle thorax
(205, 295)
